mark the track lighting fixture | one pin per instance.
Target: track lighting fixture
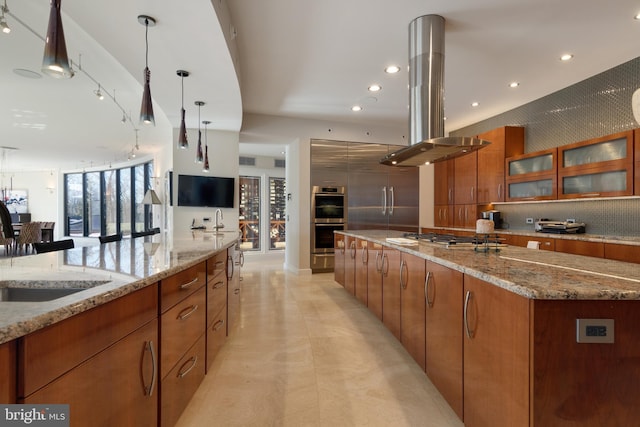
(55, 61)
(146, 110)
(99, 93)
(205, 167)
(3, 22)
(199, 157)
(182, 137)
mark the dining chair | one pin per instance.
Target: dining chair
(58, 245)
(135, 234)
(47, 231)
(30, 233)
(110, 238)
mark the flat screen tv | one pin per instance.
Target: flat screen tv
(205, 191)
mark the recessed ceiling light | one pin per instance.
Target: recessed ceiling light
(375, 88)
(356, 108)
(474, 104)
(637, 17)
(566, 57)
(392, 69)
(514, 84)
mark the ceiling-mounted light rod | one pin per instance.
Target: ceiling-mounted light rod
(146, 109)
(205, 167)
(55, 61)
(3, 22)
(183, 143)
(199, 156)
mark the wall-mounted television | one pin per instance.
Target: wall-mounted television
(206, 191)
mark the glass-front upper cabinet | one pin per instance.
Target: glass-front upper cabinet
(598, 167)
(532, 176)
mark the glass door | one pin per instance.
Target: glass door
(277, 213)
(249, 214)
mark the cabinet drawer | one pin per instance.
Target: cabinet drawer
(175, 288)
(216, 336)
(50, 352)
(8, 372)
(627, 253)
(578, 247)
(183, 380)
(216, 265)
(180, 328)
(117, 387)
(216, 297)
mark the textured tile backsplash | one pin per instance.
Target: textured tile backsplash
(598, 106)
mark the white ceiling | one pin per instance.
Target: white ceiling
(298, 58)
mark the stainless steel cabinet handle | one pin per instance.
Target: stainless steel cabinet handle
(385, 262)
(500, 191)
(352, 247)
(364, 255)
(468, 331)
(450, 196)
(472, 194)
(188, 284)
(426, 290)
(230, 263)
(384, 200)
(217, 285)
(193, 360)
(184, 314)
(403, 268)
(148, 391)
(440, 214)
(378, 265)
(236, 291)
(218, 325)
(393, 200)
(241, 259)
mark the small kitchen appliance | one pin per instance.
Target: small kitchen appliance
(494, 216)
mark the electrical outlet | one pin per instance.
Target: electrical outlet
(206, 219)
(529, 220)
(595, 331)
(571, 220)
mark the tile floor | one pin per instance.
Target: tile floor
(306, 353)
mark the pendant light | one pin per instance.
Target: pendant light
(146, 109)
(55, 61)
(3, 22)
(199, 157)
(205, 168)
(182, 137)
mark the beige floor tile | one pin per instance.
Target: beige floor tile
(306, 353)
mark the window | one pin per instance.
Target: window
(249, 212)
(277, 215)
(107, 202)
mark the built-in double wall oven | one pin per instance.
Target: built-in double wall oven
(328, 214)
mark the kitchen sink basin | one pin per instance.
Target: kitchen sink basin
(51, 291)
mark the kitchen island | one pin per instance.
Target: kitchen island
(510, 337)
(142, 322)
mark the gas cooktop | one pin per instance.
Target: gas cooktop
(478, 242)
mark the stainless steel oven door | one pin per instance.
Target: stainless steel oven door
(322, 237)
(328, 205)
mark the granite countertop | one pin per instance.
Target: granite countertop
(105, 272)
(535, 274)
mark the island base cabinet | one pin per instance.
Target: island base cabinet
(412, 306)
(117, 387)
(8, 372)
(374, 278)
(181, 383)
(216, 336)
(496, 356)
(391, 291)
(585, 384)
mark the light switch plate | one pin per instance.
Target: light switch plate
(600, 331)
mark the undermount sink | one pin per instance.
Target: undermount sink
(53, 290)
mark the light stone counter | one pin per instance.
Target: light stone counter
(107, 272)
(534, 274)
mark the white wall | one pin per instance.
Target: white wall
(223, 162)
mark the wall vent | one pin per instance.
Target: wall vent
(247, 161)
(279, 163)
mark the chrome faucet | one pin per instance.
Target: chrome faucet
(219, 223)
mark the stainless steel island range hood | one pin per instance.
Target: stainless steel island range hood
(426, 93)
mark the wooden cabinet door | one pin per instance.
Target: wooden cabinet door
(116, 387)
(444, 333)
(339, 255)
(465, 216)
(350, 264)
(233, 290)
(505, 142)
(466, 179)
(391, 290)
(443, 182)
(374, 278)
(496, 356)
(362, 261)
(8, 370)
(443, 215)
(412, 306)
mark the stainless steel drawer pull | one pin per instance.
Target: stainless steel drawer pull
(187, 312)
(378, 264)
(193, 360)
(236, 291)
(468, 331)
(218, 285)
(218, 325)
(188, 284)
(426, 290)
(148, 391)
